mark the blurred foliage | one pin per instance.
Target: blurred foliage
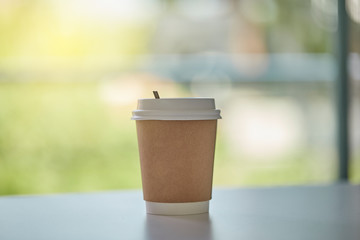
(38, 28)
(61, 137)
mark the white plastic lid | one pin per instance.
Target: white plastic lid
(176, 109)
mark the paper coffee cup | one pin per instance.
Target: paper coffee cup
(176, 139)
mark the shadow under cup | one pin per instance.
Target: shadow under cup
(176, 140)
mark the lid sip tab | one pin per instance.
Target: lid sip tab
(156, 94)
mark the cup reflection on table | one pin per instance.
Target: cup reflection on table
(197, 226)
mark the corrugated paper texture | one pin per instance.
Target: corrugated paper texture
(177, 159)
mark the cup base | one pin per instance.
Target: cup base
(177, 208)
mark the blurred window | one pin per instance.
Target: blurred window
(71, 72)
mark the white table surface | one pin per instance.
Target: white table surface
(302, 212)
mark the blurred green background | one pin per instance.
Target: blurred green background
(71, 72)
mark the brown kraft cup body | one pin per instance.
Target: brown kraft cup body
(177, 159)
